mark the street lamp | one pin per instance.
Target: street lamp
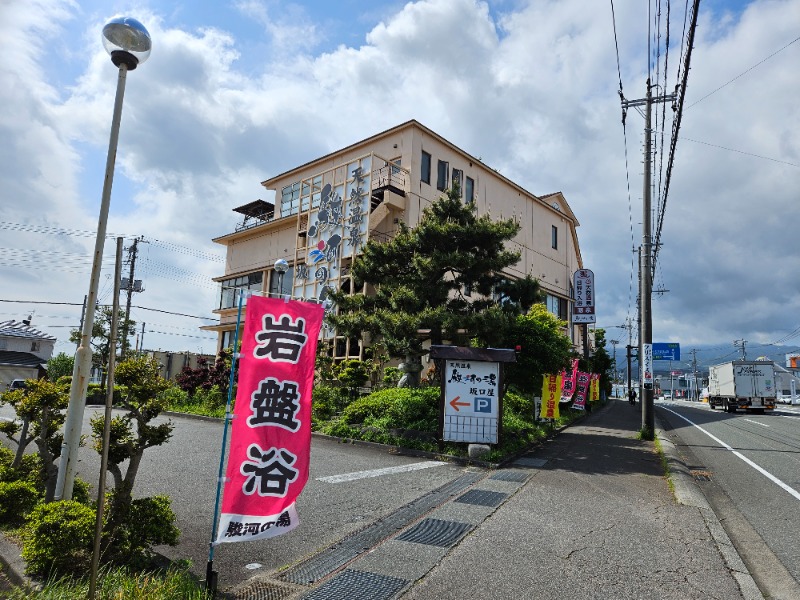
(129, 44)
(281, 266)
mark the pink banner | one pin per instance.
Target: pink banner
(583, 380)
(568, 382)
(271, 433)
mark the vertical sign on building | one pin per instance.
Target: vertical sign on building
(271, 433)
(583, 307)
(647, 366)
(472, 401)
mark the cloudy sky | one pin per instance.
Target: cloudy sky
(238, 91)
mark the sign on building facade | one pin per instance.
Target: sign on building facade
(584, 305)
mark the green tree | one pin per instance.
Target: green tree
(600, 361)
(543, 345)
(100, 340)
(133, 432)
(41, 407)
(429, 283)
(60, 365)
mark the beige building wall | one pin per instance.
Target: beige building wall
(386, 191)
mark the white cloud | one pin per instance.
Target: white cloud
(533, 93)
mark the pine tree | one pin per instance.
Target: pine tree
(429, 283)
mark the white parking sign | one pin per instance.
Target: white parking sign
(471, 403)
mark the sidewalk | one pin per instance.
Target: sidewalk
(589, 515)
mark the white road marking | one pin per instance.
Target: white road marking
(761, 470)
(379, 472)
(756, 422)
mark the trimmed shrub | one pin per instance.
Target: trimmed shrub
(149, 522)
(407, 408)
(328, 401)
(58, 538)
(17, 499)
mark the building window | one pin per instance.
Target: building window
(425, 174)
(288, 279)
(441, 175)
(469, 190)
(554, 237)
(557, 306)
(35, 346)
(290, 200)
(231, 288)
(3, 344)
(227, 339)
(458, 181)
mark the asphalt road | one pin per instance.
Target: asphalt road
(186, 469)
(748, 466)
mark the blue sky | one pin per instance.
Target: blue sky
(236, 92)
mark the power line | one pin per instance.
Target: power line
(783, 162)
(744, 72)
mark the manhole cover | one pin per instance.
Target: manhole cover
(482, 498)
(516, 476)
(358, 585)
(536, 463)
(435, 532)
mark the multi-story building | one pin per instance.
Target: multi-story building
(24, 352)
(323, 212)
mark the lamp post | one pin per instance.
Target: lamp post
(281, 266)
(129, 44)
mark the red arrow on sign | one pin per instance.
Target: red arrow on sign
(455, 404)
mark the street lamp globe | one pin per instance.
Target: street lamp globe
(281, 266)
(127, 41)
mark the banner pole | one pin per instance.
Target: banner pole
(211, 574)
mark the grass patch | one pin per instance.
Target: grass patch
(665, 465)
(115, 583)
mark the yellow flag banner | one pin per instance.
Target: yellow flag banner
(594, 388)
(551, 394)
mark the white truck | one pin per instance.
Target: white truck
(746, 384)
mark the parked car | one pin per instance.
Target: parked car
(17, 384)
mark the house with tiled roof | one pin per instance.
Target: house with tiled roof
(24, 352)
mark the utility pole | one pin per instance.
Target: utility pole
(741, 345)
(132, 251)
(645, 264)
(694, 371)
(614, 344)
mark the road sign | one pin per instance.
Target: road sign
(668, 351)
(472, 399)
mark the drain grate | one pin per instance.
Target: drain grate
(264, 590)
(482, 498)
(358, 585)
(318, 567)
(536, 463)
(435, 532)
(511, 475)
(330, 559)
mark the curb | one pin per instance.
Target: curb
(688, 493)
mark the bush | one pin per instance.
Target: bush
(210, 399)
(58, 538)
(397, 408)
(519, 404)
(327, 402)
(17, 499)
(150, 522)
